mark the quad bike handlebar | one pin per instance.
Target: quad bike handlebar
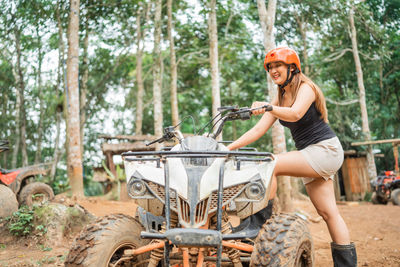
(237, 114)
(233, 113)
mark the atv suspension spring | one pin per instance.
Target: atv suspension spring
(174, 219)
(158, 254)
(233, 254)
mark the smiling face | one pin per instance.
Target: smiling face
(278, 72)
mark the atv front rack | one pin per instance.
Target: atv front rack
(194, 236)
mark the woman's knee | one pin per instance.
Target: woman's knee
(328, 214)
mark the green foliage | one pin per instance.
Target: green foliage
(44, 248)
(21, 222)
(367, 196)
(92, 188)
(318, 30)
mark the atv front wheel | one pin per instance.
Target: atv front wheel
(8, 201)
(103, 243)
(395, 195)
(284, 240)
(376, 199)
(35, 193)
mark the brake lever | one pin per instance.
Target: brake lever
(159, 140)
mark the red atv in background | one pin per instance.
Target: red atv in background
(23, 181)
(385, 188)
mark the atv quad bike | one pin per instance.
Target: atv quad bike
(186, 197)
(23, 181)
(385, 188)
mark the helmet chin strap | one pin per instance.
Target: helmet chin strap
(289, 77)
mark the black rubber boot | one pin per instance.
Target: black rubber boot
(344, 255)
(252, 224)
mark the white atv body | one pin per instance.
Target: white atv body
(194, 181)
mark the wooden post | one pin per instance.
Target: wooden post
(110, 164)
(396, 158)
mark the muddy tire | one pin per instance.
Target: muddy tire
(8, 201)
(395, 195)
(375, 199)
(35, 193)
(104, 242)
(284, 240)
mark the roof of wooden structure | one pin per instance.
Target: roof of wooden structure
(134, 143)
(124, 147)
(394, 141)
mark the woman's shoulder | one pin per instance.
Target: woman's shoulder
(306, 90)
(305, 86)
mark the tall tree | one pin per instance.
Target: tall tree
(267, 20)
(21, 95)
(157, 72)
(38, 154)
(74, 168)
(140, 35)
(84, 81)
(213, 37)
(174, 73)
(360, 80)
(58, 89)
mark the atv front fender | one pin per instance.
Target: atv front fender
(28, 171)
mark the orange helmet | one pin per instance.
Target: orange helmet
(284, 54)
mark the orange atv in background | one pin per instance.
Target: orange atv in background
(23, 181)
(386, 188)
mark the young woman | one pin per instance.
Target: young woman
(300, 106)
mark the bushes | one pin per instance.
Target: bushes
(21, 222)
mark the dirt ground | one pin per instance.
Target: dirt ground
(375, 229)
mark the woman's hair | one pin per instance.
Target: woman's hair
(298, 79)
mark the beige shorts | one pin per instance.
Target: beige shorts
(325, 157)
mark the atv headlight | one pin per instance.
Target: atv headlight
(136, 187)
(255, 190)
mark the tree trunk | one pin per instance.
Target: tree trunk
(17, 134)
(267, 20)
(213, 36)
(74, 167)
(174, 74)
(297, 184)
(59, 88)
(4, 97)
(303, 32)
(360, 80)
(21, 88)
(85, 78)
(139, 79)
(38, 155)
(157, 95)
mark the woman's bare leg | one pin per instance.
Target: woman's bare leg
(292, 164)
(321, 193)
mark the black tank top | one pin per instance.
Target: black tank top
(310, 129)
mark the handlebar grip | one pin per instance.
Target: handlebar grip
(267, 108)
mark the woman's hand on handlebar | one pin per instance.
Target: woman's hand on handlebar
(258, 105)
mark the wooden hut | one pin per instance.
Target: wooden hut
(351, 181)
(124, 143)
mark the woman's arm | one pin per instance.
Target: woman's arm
(305, 97)
(256, 132)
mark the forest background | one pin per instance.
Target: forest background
(119, 65)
